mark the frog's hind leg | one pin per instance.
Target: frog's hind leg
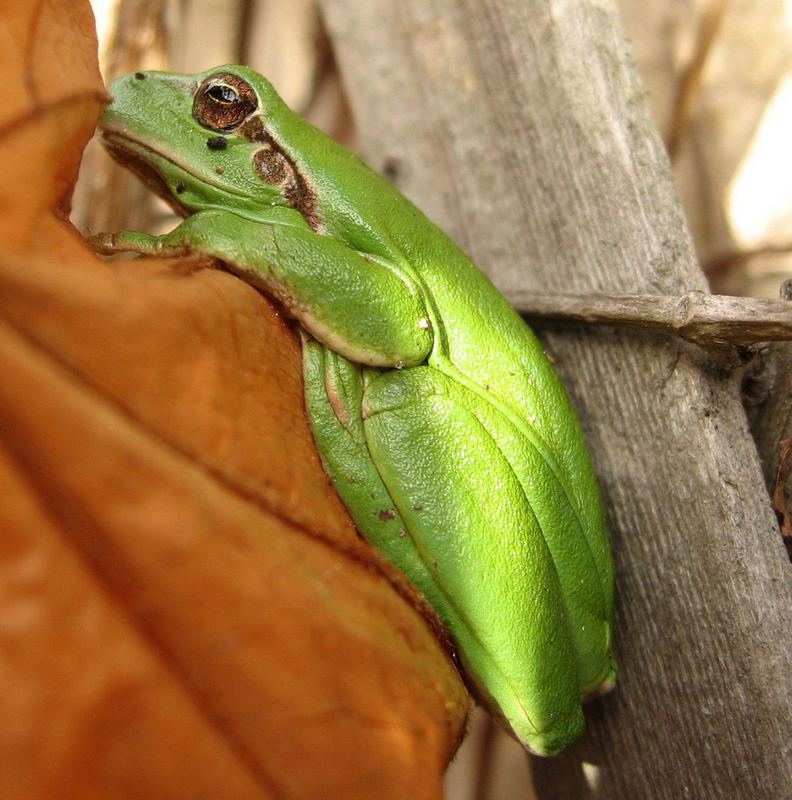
(487, 569)
(333, 396)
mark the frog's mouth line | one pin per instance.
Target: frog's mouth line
(140, 159)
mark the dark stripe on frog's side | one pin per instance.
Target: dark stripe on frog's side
(299, 192)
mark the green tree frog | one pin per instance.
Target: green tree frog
(435, 410)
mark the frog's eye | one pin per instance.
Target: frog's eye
(223, 102)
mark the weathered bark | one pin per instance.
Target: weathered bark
(522, 128)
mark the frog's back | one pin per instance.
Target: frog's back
(482, 342)
(487, 345)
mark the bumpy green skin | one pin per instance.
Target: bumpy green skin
(438, 417)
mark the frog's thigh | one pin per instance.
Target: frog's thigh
(473, 527)
(333, 397)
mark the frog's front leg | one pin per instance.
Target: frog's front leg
(364, 308)
(430, 488)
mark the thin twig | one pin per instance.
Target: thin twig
(725, 263)
(717, 323)
(690, 84)
(485, 760)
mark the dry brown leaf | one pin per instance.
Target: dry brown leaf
(185, 608)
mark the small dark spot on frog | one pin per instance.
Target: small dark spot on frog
(351, 478)
(387, 514)
(219, 170)
(180, 187)
(140, 76)
(217, 143)
(402, 533)
(418, 508)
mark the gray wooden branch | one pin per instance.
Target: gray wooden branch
(717, 323)
(704, 319)
(521, 127)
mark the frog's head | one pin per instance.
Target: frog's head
(206, 141)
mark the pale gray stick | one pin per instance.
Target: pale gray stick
(712, 321)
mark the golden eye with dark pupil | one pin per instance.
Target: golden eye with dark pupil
(223, 102)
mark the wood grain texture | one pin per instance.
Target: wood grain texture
(523, 130)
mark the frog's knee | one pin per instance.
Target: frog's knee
(400, 389)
